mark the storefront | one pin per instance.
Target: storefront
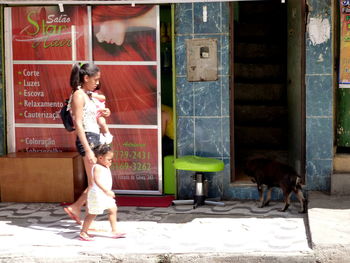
(42, 44)
(203, 109)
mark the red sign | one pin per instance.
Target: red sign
(135, 164)
(43, 51)
(44, 140)
(124, 33)
(44, 33)
(131, 94)
(39, 92)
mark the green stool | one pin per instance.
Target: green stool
(198, 165)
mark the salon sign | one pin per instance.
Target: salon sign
(44, 45)
(49, 30)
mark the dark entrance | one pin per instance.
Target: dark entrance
(267, 96)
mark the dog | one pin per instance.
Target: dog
(272, 173)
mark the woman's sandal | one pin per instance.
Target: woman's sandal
(119, 235)
(72, 216)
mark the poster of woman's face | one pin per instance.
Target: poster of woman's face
(124, 43)
(124, 33)
(127, 34)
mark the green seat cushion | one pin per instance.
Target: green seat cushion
(198, 164)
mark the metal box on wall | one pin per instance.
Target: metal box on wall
(202, 63)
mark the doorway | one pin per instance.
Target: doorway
(267, 89)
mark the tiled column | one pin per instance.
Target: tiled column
(319, 96)
(203, 107)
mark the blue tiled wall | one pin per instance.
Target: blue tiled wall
(319, 103)
(203, 126)
(203, 123)
(203, 107)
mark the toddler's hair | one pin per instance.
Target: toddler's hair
(102, 149)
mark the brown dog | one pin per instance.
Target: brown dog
(275, 174)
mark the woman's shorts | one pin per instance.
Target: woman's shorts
(93, 140)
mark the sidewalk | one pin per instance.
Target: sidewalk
(329, 221)
(236, 232)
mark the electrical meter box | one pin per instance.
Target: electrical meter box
(202, 62)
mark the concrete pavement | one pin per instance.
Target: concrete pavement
(236, 232)
(329, 224)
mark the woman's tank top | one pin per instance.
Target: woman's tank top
(89, 114)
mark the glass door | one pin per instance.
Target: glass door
(41, 47)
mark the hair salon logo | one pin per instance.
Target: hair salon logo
(47, 30)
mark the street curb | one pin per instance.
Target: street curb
(220, 258)
(170, 258)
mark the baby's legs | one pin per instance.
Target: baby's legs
(103, 125)
(105, 136)
(89, 218)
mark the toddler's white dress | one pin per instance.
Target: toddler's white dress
(97, 200)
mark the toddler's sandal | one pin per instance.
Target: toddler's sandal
(86, 238)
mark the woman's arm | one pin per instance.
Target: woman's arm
(77, 112)
(165, 120)
(106, 112)
(97, 179)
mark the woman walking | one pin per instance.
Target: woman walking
(84, 80)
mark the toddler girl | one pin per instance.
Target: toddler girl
(100, 196)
